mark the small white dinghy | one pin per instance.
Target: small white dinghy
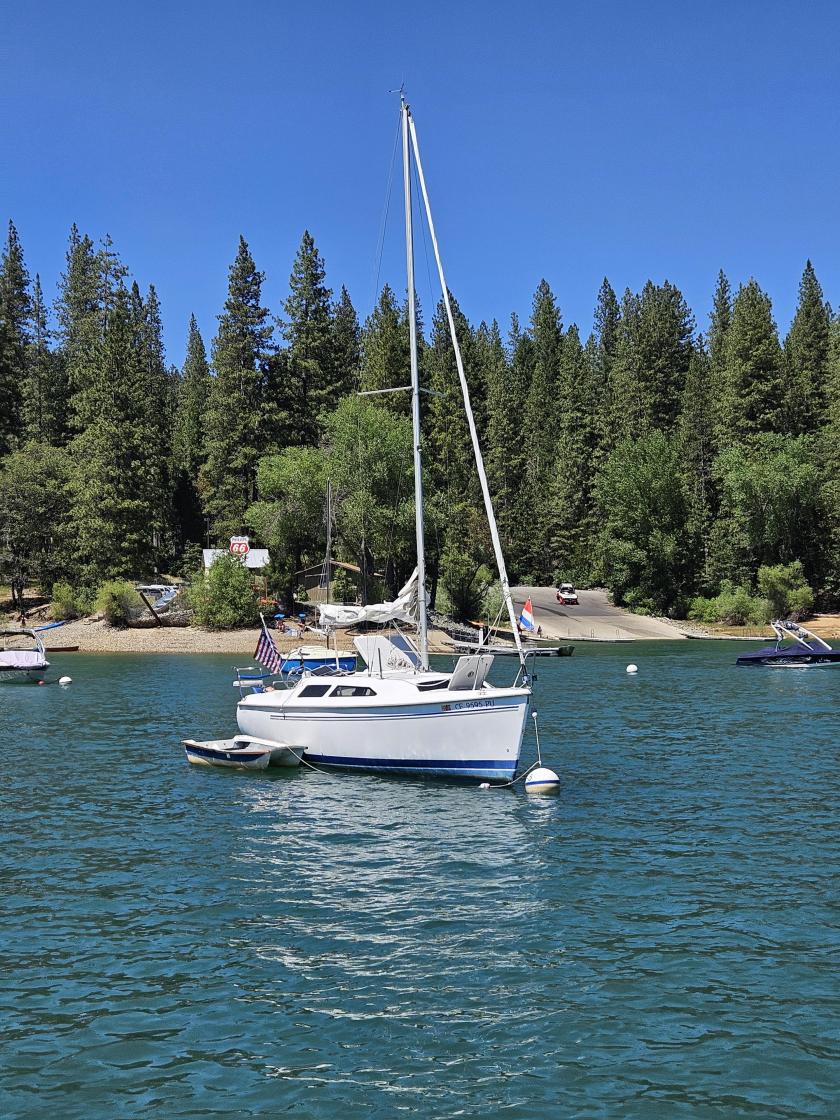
(242, 752)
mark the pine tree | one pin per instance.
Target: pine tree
(720, 321)
(542, 423)
(828, 448)
(451, 463)
(308, 330)
(600, 357)
(14, 338)
(507, 409)
(806, 358)
(698, 449)
(234, 435)
(501, 434)
(385, 360)
(79, 312)
(45, 389)
(346, 346)
(569, 515)
(110, 520)
(651, 360)
(191, 392)
(752, 393)
(153, 423)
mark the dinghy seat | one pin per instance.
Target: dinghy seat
(471, 672)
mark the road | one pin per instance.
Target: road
(594, 619)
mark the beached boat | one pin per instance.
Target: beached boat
(796, 647)
(398, 716)
(22, 656)
(312, 658)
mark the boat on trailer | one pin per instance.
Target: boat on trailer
(796, 647)
(22, 655)
(398, 715)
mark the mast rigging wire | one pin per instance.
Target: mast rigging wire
(385, 210)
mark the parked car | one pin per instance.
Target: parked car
(567, 595)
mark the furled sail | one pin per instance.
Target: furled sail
(334, 616)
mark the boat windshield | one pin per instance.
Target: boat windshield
(18, 640)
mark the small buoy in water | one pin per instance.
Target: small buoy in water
(484, 785)
(65, 680)
(42, 682)
(542, 780)
(632, 668)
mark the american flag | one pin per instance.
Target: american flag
(266, 652)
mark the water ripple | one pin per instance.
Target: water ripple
(660, 940)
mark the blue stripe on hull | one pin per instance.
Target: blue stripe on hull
(443, 768)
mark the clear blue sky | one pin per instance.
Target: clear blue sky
(570, 141)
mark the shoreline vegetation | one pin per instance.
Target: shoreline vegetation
(691, 473)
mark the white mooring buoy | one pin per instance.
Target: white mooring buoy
(632, 668)
(65, 680)
(542, 780)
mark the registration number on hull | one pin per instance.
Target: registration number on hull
(464, 705)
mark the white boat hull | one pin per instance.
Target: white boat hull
(476, 735)
(33, 674)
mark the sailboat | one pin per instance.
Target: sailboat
(398, 715)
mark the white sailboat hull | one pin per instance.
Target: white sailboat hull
(476, 735)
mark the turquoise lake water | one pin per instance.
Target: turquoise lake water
(660, 939)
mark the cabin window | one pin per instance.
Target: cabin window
(432, 686)
(344, 690)
(315, 690)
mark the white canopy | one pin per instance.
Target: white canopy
(334, 616)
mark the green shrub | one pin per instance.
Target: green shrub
(343, 589)
(68, 602)
(224, 598)
(702, 610)
(493, 605)
(786, 589)
(733, 606)
(800, 603)
(639, 603)
(116, 599)
(63, 604)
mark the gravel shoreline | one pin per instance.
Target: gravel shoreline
(96, 636)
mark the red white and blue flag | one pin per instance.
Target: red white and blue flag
(526, 619)
(266, 652)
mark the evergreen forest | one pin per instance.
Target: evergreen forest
(649, 458)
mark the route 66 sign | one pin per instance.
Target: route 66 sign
(239, 546)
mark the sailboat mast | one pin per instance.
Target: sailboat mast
(465, 392)
(329, 539)
(422, 625)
